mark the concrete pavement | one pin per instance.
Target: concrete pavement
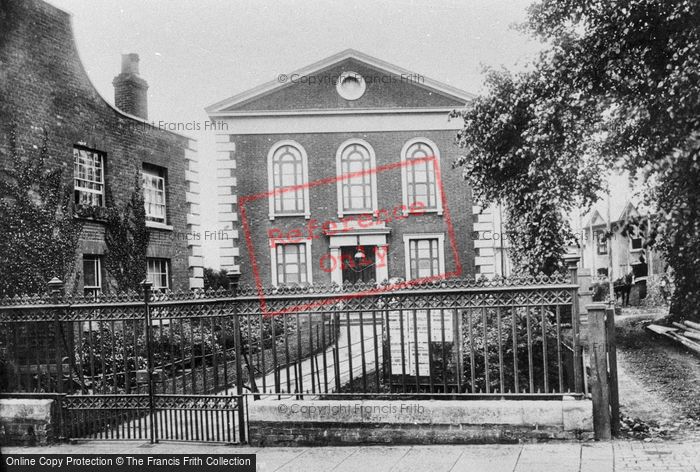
(554, 456)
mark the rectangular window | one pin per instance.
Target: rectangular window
(88, 172)
(92, 275)
(636, 243)
(602, 243)
(154, 193)
(291, 264)
(424, 258)
(357, 193)
(158, 273)
(421, 185)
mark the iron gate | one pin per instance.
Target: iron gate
(151, 367)
(204, 418)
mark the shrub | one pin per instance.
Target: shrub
(8, 372)
(660, 290)
(601, 290)
(487, 348)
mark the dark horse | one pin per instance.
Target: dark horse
(623, 287)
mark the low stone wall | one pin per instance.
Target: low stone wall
(26, 422)
(345, 422)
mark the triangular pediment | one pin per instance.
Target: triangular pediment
(314, 88)
(629, 211)
(594, 219)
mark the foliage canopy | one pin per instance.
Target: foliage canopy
(616, 87)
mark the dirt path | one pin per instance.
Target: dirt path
(659, 381)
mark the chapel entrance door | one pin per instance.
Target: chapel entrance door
(358, 263)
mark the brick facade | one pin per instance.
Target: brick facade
(251, 158)
(44, 89)
(396, 106)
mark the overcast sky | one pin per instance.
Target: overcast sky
(195, 53)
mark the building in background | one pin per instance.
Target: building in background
(490, 242)
(102, 148)
(347, 113)
(625, 259)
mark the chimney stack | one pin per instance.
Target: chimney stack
(130, 90)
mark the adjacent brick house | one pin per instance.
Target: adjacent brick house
(288, 142)
(44, 89)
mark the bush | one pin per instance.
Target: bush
(660, 290)
(106, 351)
(8, 372)
(601, 290)
(488, 348)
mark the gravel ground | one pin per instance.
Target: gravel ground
(659, 381)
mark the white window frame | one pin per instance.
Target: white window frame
(76, 188)
(167, 272)
(636, 235)
(407, 238)
(273, 258)
(638, 249)
(404, 175)
(98, 272)
(157, 173)
(373, 178)
(271, 179)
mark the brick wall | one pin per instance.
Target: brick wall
(44, 89)
(251, 153)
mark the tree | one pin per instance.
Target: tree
(38, 235)
(214, 280)
(625, 73)
(525, 147)
(126, 240)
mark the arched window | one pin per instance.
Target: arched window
(287, 177)
(357, 183)
(421, 160)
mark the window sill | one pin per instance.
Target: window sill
(285, 215)
(155, 225)
(371, 213)
(98, 219)
(436, 211)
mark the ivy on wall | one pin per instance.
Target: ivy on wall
(126, 240)
(38, 235)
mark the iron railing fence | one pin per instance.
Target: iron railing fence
(176, 365)
(503, 336)
(514, 336)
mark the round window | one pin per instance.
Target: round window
(351, 85)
